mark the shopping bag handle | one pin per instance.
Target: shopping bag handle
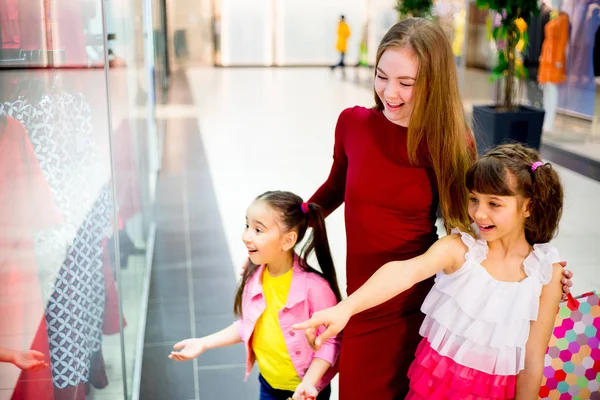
(572, 302)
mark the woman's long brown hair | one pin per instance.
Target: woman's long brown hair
(438, 120)
(292, 217)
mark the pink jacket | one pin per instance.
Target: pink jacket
(309, 292)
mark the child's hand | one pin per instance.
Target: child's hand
(305, 391)
(334, 319)
(188, 349)
(566, 281)
(30, 360)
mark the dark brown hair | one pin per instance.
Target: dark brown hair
(438, 118)
(506, 171)
(292, 217)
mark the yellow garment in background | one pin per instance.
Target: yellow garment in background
(274, 361)
(343, 33)
(459, 33)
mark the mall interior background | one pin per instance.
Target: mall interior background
(87, 90)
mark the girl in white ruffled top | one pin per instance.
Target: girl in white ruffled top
(490, 314)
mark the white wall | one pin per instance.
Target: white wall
(299, 32)
(382, 16)
(246, 32)
(307, 30)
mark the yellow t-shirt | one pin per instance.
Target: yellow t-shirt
(274, 361)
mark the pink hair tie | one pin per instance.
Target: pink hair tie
(536, 165)
(304, 207)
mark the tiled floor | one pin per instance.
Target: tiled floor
(253, 130)
(192, 286)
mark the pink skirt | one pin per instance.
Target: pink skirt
(436, 377)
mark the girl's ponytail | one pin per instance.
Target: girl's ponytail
(320, 244)
(545, 206)
(239, 295)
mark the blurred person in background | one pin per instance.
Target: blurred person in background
(343, 33)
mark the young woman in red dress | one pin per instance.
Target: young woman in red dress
(392, 165)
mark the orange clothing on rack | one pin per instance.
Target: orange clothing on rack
(554, 49)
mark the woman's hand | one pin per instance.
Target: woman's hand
(334, 319)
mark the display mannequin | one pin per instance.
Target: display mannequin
(552, 70)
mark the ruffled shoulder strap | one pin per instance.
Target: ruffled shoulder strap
(539, 262)
(478, 248)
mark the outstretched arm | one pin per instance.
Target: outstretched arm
(6, 354)
(397, 276)
(26, 360)
(192, 348)
(389, 281)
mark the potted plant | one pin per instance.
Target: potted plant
(507, 120)
(414, 8)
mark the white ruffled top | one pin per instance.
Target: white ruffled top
(481, 322)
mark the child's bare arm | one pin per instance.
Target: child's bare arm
(397, 276)
(390, 280)
(529, 379)
(26, 360)
(307, 388)
(192, 348)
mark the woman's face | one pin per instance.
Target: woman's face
(395, 83)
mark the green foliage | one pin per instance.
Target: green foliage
(511, 9)
(507, 36)
(414, 8)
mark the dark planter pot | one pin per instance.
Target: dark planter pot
(492, 127)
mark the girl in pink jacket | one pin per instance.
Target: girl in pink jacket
(280, 289)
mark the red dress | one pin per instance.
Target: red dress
(390, 213)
